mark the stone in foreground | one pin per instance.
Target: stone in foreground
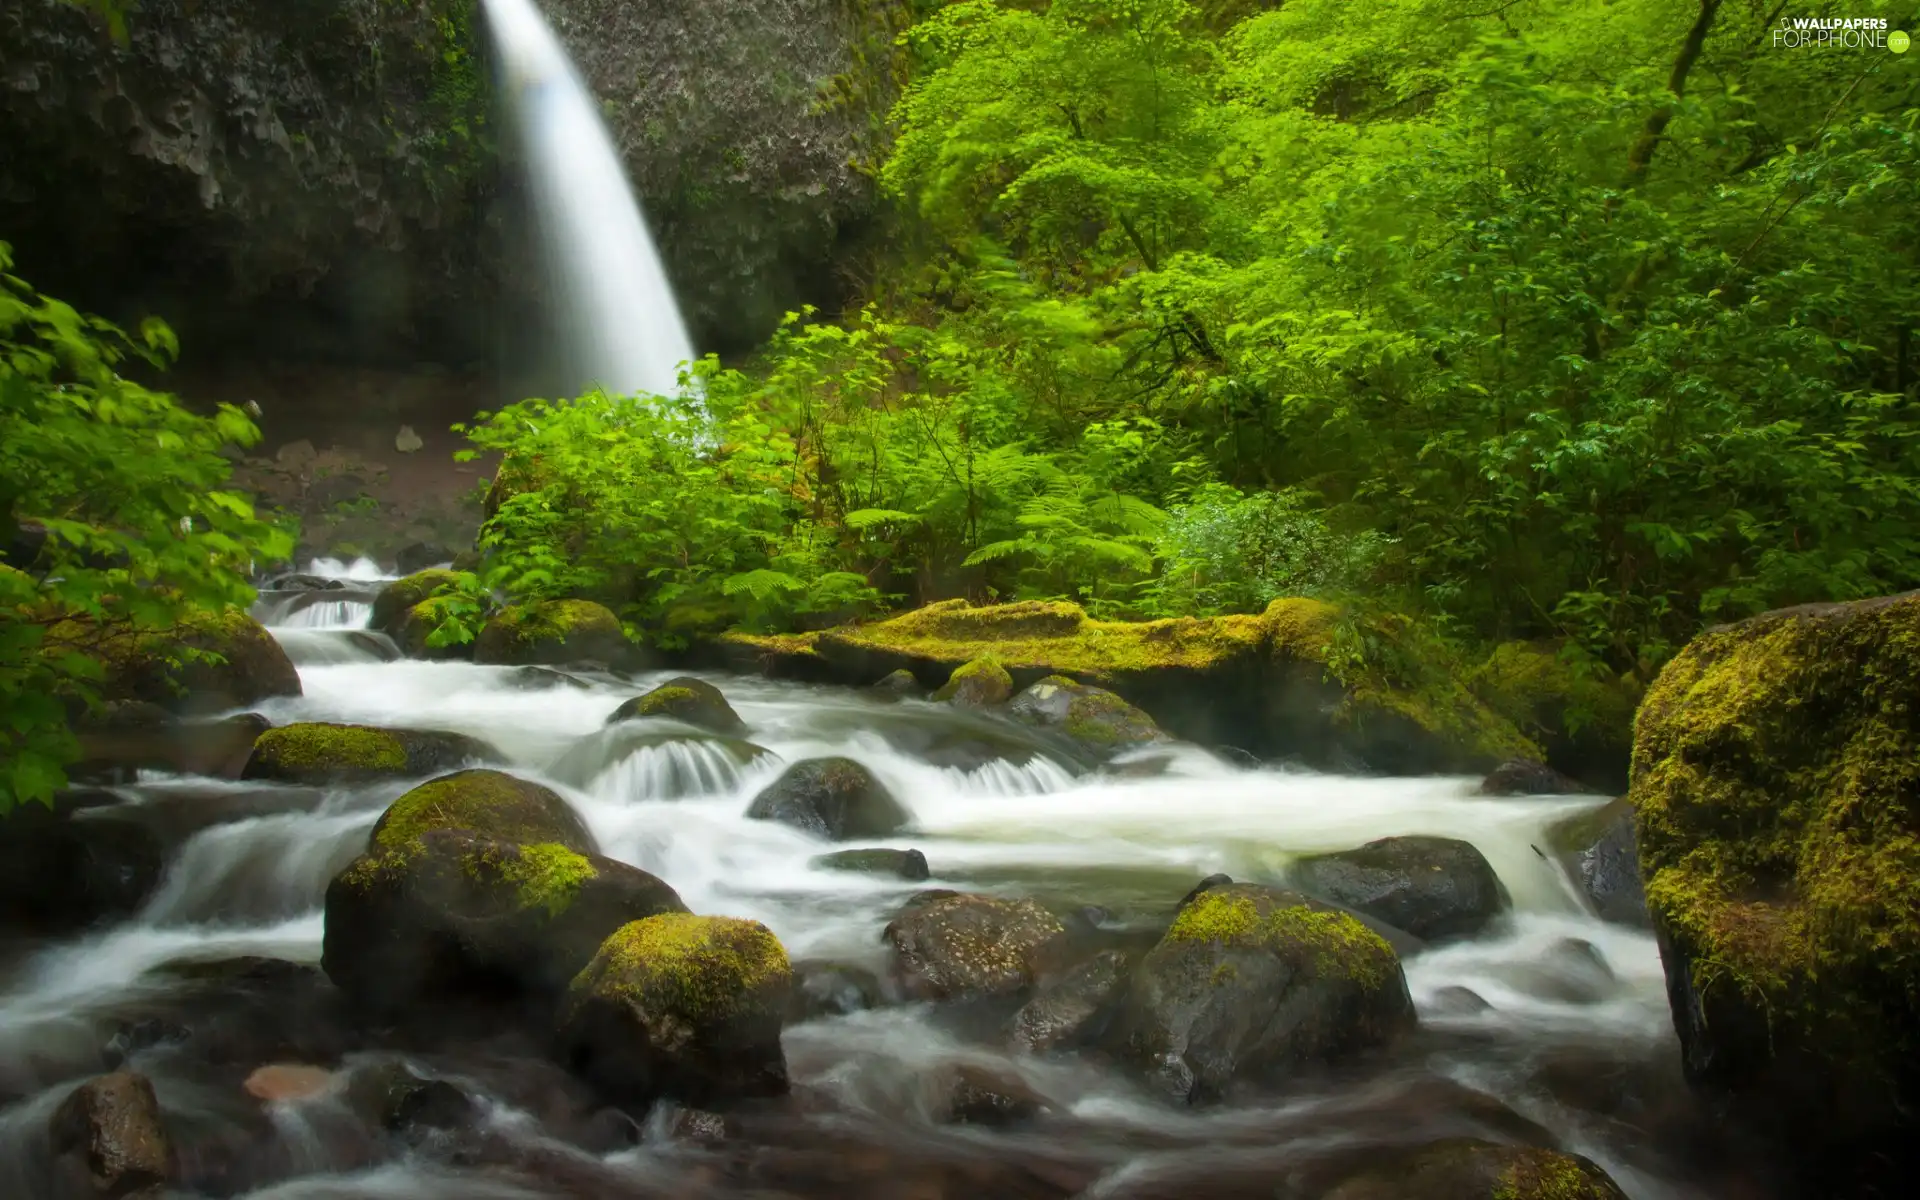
(109, 1138)
(680, 1006)
(1094, 717)
(1074, 1010)
(490, 803)
(1431, 887)
(1252, 983)
(833, 798)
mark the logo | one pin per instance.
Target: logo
(1838, 33)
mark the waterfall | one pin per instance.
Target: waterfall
(621, 326)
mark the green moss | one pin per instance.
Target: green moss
(317, 746)
(1337, 943)
(1545, 692)
(700, 968)
(548, 875)
(1545, 1175)
(524, 625)
(398, 598)
(661, 701)
(1775, 769)
(982, 677)
(480, 801)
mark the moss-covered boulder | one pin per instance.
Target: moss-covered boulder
(1250, 983)
(833, 798)
(551, 632)
(1470, 1169)
(413, 632)
(1597, 851)
(1093, 717)
(319, 752)
(901, 864)
(453, 914)
(899, 685)
(1431, 887)
(982, 683)
(206, 663)
(1776, 781)
(490, 803)
(960, 945)
(688, 700)
(398, 598)
(1276, 683)
(681, 1006)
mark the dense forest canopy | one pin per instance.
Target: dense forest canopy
(1536, 320)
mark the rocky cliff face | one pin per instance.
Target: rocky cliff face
(318, 178)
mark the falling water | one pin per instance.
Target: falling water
(618, 312)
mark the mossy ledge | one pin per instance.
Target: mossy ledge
(1268, 683)
(1776, 766)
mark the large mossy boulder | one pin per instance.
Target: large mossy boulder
(453, 914)
(319, 752)
(688, 700)
(1251, 983)
(549, 633)
(208, 662)
(1093, 717)
(1776, 782)
(1431, 887)
(962, 945)
(1470, 1169)
(1272, 683)
(834, 798)
(680, 1006)
(397, 599)
(982, 683)
(485, 802)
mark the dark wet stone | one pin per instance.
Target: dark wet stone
(418, 556)
(1524, 777)
(67, 867)
(133, 1037)
(1205, 885)
(1431, 887)
(963, 945)
(1572, 971)
(968, 1094)
(1074, 1009)
(834, 798)
(109, 1132)
(390, 1095)
(827, 989)
(1598, 851)
(1458, 1002)
(305, 583)
(1469, 1169)
(900, 685)
(699, 1126)
(902, 864)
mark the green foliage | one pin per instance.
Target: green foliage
(127, 486)
(1228, 552)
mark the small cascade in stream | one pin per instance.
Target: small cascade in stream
(617, 306)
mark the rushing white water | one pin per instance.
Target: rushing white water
(618, 309)
(329, 614)
(993, 809)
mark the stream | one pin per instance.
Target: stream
(1574, 1037)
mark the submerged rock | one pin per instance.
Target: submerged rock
(969, 1094)
(1597, 851)
(486, 802)
(277, 1082)
(109, 1136)
(680, 1006)
(1073, 1010)
(1091, 716)
(317, 752)
(1470, 1169)
(982, 683)
(687, 700)
(900, 685)
(450, 914)
(1524, 777)
(1431, 887)
(550, 633)
(1775, 768)
(902, 864)
(834, 798)
(956, 945)
(391, 1096)
(828, 989)
(1250, 983)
